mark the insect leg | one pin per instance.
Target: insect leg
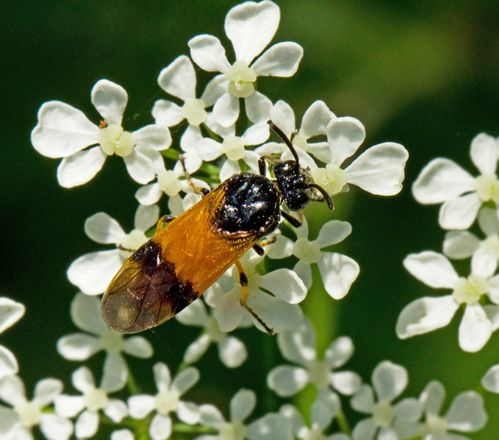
(258, 248)
(244, 286)
(197, 189)
(261, 162)
(296, 222)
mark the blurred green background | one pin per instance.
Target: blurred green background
(424, 74)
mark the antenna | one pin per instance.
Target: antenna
(281, 134)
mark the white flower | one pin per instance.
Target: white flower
(233, 147)
(324, 409)
(179, 80)
(466, 413)
(338, 271)
(461, 194)
(430, 313)
(10, 312)
(166, 401)
(314, 123)
(231, 350)
(277, 311)
(29, 413)
(93, 272)
(64, 131)
(250, 26)
(393, 421)
(491, 379)
(462, 244)
(300, 347)
(268, 427)
(122, 434)
(85, 313)
(378, 170)
(92, 401)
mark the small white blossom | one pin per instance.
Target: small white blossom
(299, 347)
(92, 400)
(85, 313)
(166, 401)
(231, 350)
(93, 272)
(466, 414)
(314, 123)
(430, 313)
(233, 147)
(462, 244)
(278, 310)
(268, 427)
(338, 271)
(324, 409)
(122, 434)
(387, 420)
(250, 26)
(10, 312)
(65, 132)
(378, 170)
(461, 194)
(30, 413)
(491, 379)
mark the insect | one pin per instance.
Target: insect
(189, 253)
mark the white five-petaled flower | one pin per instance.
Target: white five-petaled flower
(250, 26)
(461, 194)
(232, 351)
(179, 80)
(338, 271)
(92, 400)
(85, 313)
(65, 132)
(314, 123)
(93, 272)
(378, 170)
(300, 347)
(26, 414)
(166, 401)
(279, 310)
(268, 427)
(462, 244)
(324, 409)
(393, 421)
(466, 414)
(430, 313)
(233, 147)
(10, 312)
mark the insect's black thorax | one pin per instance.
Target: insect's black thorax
(252, 203)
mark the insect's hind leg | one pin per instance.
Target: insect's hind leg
(197, 189)
(244, 298)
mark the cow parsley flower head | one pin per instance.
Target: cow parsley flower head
(388, 419)
(10, 312)
(166, 401)
(65, 132)
(93, 272)
(30, 413)
(250, 26)
(85, 313)
(461, 194)
(430, 313)
(466, 413)
(299, 347)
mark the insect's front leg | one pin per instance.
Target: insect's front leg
(296, 222)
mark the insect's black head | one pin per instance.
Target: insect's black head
(295, 182)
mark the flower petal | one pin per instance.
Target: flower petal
(68, 406)
(484, 263)
(284, 284)
(483, 152)
(467, 412)
(78, 346)
(270, 427)
(214, 89)
(275, 313)
(46, 390)
(338, 273)
(12, 390)
(80, 167)
(282, 60)
(251, 26)
(116, 410)
(316, 119)
(208, 53)
(197, 349)
(140, 405)
(138, 346)
(298, 346)
(389, 380)
(162, 376)
(432, 268)
(167, 113)
(161, 427)
(242, 405)
(475, 329)
(104, 229)
(62, 130)
(488, 221)
(232, 352)
(226, 110)
(339, 352)
(153, 137)
(256, 134)
(333, 232)
(55, 427)
(491, 379)
(432, 398)
(83, 379)
(344, 136)
(425, 315)
(185, 380)
(363, 401)
(115, 373)
(8, 363)
(257, 107)
(139, 166)
(460, 244)
(110, 100)
(179, 78)
(459, 213)
(346, 382)
(10, 312)
(149, 194)
(146, 217)
(380, 169)
(441, 180)
(228, 312)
